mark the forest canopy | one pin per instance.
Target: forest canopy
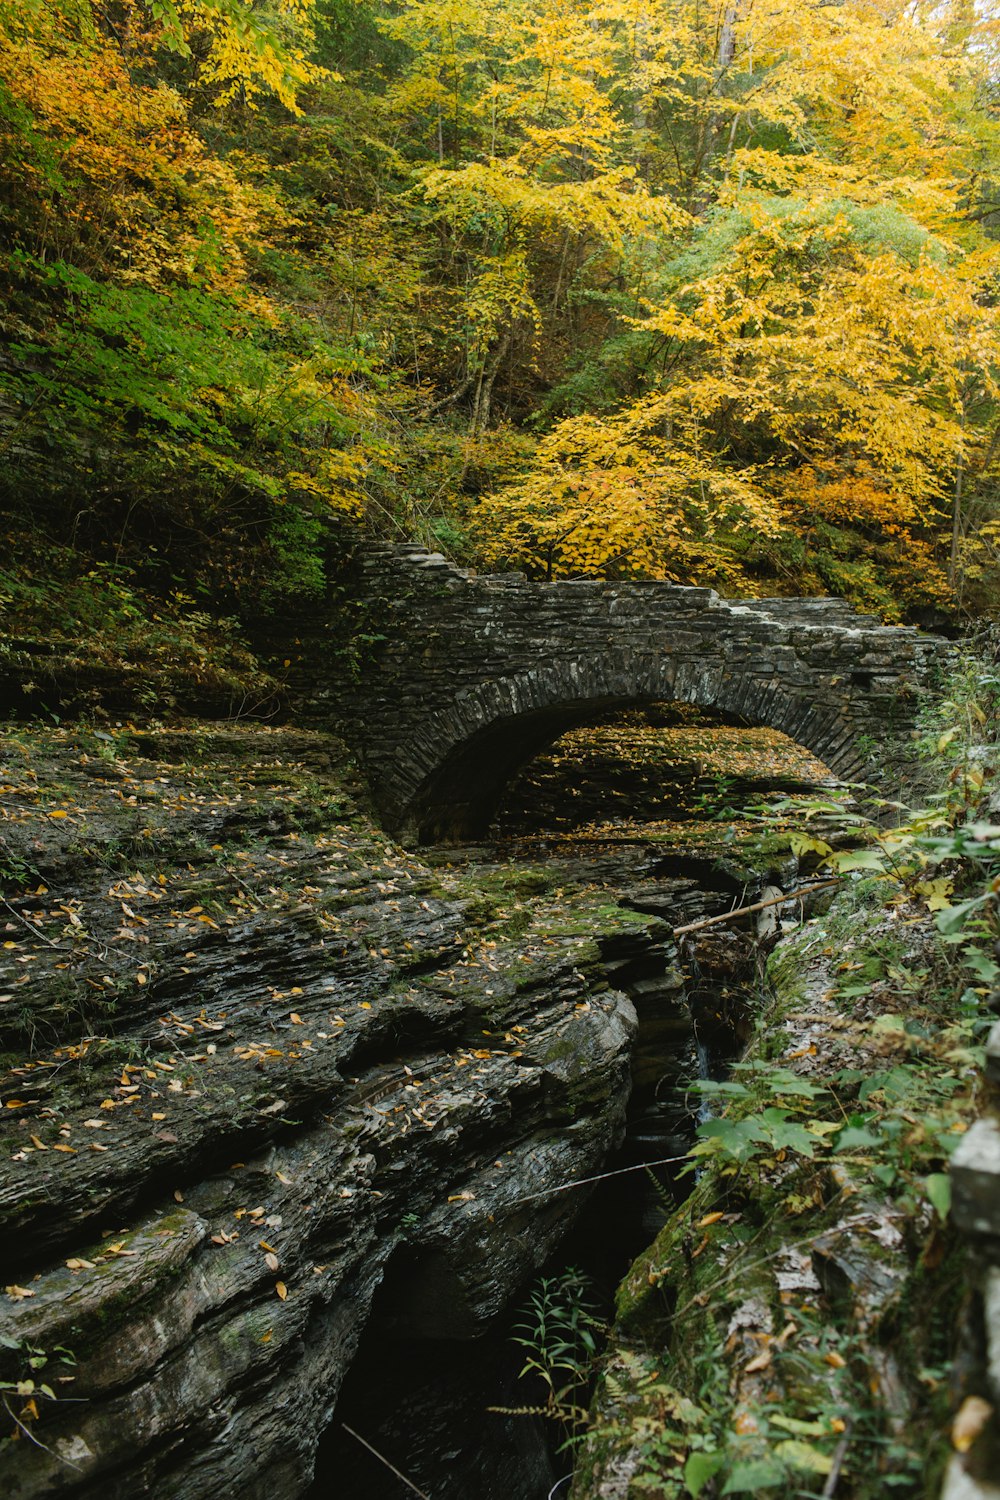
(664, 289)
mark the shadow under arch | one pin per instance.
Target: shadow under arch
(489, 732)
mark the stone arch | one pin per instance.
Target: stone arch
(451, 776)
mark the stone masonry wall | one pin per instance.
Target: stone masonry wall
(473, 675)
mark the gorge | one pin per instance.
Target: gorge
(296, 1117)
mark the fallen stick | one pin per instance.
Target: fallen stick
(743, 911)
(382, 1460)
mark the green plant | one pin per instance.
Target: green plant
(560, 1330)
(22, 1362)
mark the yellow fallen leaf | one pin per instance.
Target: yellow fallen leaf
(77, 1263)
(971, 1418)
(834, 1360)
(760, 1362)
(709, 1219)
(281, 1289)
(59, 812)
(18, 1292)
(295, 1018)
(37, 1143)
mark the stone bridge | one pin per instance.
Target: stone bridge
(475, 675)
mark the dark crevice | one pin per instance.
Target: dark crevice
(423, 1402)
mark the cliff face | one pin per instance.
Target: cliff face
(801, 1323)
(256, 1055)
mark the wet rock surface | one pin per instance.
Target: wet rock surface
(293, 1116)
(264, 1068)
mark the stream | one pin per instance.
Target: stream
(647, 808)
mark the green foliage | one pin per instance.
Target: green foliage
(495, 281)
(877, 1077)
(561, 1332)
(23, 1364)
(164, 650)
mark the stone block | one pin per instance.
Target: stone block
(992, 1062)
(975, 1180)
(959, 1484)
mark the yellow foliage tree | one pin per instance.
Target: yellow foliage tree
(628, 495)
(831, 312)
(250, 50)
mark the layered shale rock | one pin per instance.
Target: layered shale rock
(256, 1054)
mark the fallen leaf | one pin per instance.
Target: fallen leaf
(972, 1416)
(281, 1289)
(272, 1262)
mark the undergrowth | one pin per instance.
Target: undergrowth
(791, 1329)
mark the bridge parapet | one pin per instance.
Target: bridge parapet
(474, 675)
